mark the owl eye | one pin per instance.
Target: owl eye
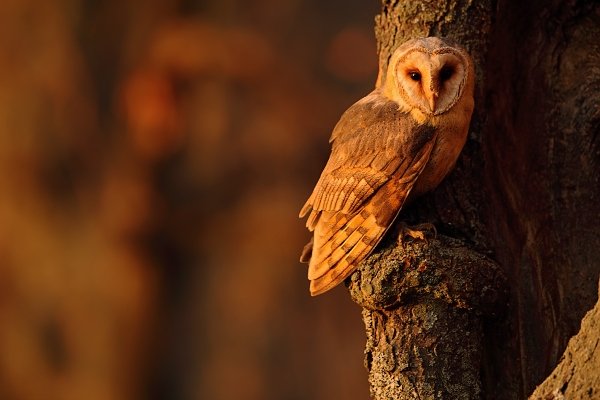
(446, 73)
(415, 76)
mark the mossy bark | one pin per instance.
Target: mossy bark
(524, 199)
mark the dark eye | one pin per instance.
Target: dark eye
(446, 73)
(415, 76)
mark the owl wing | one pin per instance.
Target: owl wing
(377, 155)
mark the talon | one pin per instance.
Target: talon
(417, 232)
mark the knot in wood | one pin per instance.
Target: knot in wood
(443, 269)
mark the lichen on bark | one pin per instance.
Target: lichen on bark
(423, 304)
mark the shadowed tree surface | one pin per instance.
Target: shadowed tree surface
(525, 196)
(576, 376)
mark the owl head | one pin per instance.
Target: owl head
(430, 75)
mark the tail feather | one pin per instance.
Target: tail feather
(306, 254)
(345, 265)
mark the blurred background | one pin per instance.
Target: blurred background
(154, 156)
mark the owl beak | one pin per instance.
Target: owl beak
(434, 91)
(433, 100)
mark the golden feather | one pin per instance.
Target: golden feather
(382, 155)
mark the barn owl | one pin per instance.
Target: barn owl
(388, 148)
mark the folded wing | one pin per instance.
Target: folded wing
(377, 155)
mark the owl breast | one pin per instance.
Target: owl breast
(450, 139)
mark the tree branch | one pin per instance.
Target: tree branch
(423, 305)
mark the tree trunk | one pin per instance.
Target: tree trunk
(524, 201)
(577, 377)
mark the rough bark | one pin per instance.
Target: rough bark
(576, 376)
(525, 193)
(542, 174)
(422, 306)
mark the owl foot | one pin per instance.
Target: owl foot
(417, 232)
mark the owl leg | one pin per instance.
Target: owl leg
(417, 232)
